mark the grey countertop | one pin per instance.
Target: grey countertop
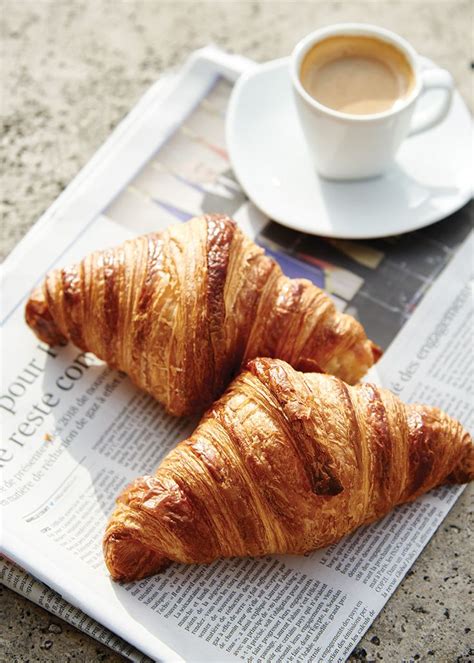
(70, 72)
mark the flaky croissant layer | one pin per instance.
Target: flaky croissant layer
(179, 311)
(284, 462)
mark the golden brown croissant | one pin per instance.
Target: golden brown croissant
(284, 462)
(180, 311)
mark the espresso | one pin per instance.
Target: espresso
(356, 74)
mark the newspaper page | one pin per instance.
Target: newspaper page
(76, 432)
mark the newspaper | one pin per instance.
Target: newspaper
(75, 432)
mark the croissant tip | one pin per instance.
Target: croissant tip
(377, 351)
(464, 472)
(38, 317)
(128, 559)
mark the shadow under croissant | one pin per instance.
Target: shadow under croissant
(130, 561)
(100, 454)
(245, 593)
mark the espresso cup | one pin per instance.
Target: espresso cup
(357, 145)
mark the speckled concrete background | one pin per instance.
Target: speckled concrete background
(70, 72)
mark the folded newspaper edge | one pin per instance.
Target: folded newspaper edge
(24, 584)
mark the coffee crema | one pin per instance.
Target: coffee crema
(357, 74)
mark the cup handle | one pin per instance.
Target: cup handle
(433, 79)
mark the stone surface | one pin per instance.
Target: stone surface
(30, 634)
(70, 72)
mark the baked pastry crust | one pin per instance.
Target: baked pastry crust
(284, 462)
(181, 310)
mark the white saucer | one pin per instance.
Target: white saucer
(432, 177)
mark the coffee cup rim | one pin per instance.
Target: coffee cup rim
(305, 44)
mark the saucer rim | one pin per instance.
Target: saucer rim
(462, 198)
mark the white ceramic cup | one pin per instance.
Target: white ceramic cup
(346, 146)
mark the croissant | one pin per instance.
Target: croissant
(180, 311)
(284, 462)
